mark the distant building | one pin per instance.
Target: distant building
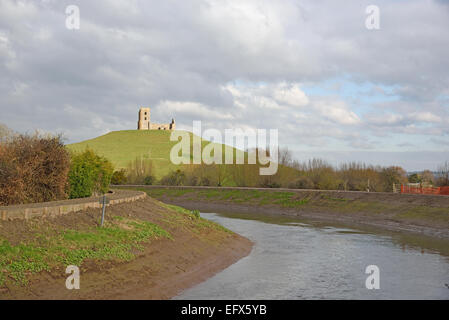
(144, 122)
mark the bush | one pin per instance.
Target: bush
(90, 174)
(119, 177)
(205, 181)
(269, 184)
(196, 213)
(174, 178)
(33, 169)
(414, 178)
(302, 182)
(149, 180)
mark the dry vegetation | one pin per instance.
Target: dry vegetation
(33, 169)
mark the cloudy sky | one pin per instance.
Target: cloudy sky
(309, 68)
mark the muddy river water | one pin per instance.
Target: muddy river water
(296, 259)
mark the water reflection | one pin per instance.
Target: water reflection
(299, 259)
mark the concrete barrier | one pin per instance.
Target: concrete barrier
(57, 208)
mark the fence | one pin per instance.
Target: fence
(419, 189)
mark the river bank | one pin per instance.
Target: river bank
(419, 214)
(147, 250)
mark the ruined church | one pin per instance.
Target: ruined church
(144, 122)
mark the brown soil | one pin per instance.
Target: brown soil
(163, 269)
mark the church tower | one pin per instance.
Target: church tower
(144, 119)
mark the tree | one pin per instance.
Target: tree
(414, 178)
(427, 177)
(443, 174)
(393, 175)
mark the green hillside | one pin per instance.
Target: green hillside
(122, 147)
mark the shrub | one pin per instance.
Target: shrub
(90, 174)
(205, 181)
(414, 178)
(196, 213)
(119, 177)
(267, 183)
(33, 169)
(174, 178)
(192, 180)
(302, 182)
(149, 180)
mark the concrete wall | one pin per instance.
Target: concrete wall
(57, 208)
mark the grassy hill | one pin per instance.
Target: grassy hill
(122, 147)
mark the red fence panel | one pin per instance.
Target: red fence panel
(424, 190)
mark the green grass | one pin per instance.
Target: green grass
(122, 147)
(116, 241)
(258, 197)
(315, 202)
(200, 223)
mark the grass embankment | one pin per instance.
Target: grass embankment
(30, 247)
(417, 209)
(123, 147)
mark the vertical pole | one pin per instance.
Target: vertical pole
(104, 208)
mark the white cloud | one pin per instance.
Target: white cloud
(291, 95)
(426, 117)
(337, 111)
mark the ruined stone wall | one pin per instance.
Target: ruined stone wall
(144, 122)
(159, 126)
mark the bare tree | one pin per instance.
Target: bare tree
(443, 174)
(285, 157)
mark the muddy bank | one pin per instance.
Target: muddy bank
(195, 250)
(426, 215)
(375, 222)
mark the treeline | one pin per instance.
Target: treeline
(38, 168)
(311, 174)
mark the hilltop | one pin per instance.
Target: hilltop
(122, 147)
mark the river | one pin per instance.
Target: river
(297, 259)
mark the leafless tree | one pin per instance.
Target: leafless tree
(443, 174)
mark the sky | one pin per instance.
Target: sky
(311, 69)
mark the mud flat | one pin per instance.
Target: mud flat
(419, 214)
(147, 250)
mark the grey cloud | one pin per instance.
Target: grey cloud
(133, 53)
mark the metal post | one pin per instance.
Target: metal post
(104, 209)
